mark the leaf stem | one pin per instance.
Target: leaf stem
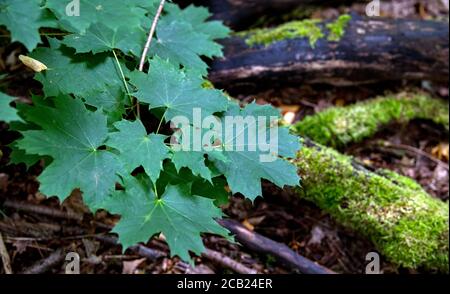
(156, 190)
(160, 122)
(123, 77)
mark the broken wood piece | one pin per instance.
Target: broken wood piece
(6, 260)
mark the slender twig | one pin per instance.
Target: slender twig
(141, 250)
(150, 35)
(416, 151)
(5, 257)
(148, 43)
(227, 262)
(42, 210)
(46, 264)
(280, 251)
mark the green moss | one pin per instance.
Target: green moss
(295, 29)
(406, 224)
(339, 126)
(400, 180)
(337, 28)
(308, 28)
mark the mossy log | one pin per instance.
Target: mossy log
(238, 14)
(406, 225)
(369, 51)
(339, 126)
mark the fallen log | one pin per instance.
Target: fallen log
(280, 251)
(339, 126)
(239, 14)
(407, 225)
(369, 51)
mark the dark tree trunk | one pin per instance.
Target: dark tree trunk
(371, 51)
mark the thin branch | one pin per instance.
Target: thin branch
(227, 262)
(283, 253)
(416, 151)
(46, 264)
(42, 210)
(147, 46)
(150, 35)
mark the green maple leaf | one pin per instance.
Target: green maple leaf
(175, 214)
(111, 101)
(7, 113)
(21, 17)
(168, 87)
(176, 34)
(75, 74)
(197, 17)
(73, 137)
(195, 161)
(111, 13)
(214, 189)
(192, 154)
(139, 149)
(244, 167)
(100, 38)
(18, 155)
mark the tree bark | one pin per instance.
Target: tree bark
(370, 51)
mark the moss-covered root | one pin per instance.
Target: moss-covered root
(408, 226)
(339, 126)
